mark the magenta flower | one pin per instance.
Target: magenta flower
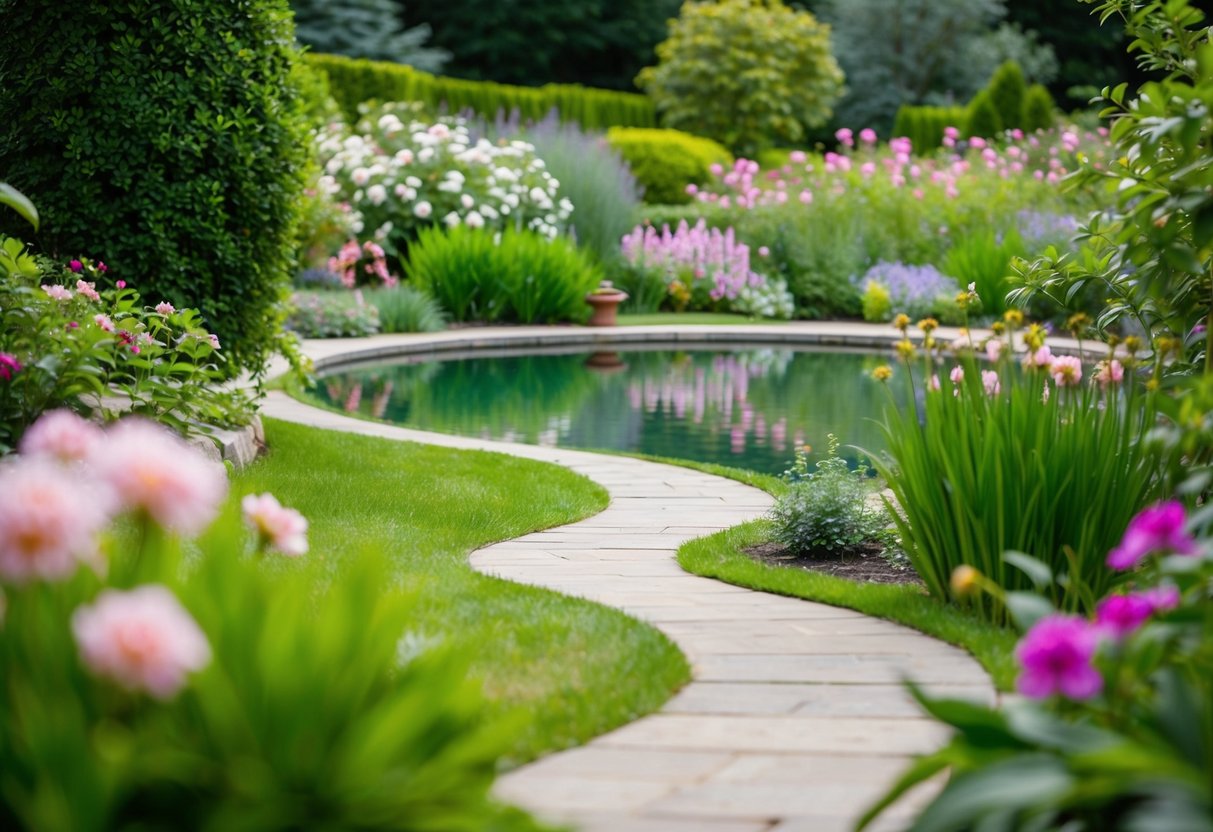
(76, 266)
(101, 267)
(61, 435)
(1119, 616)
(1157, 528)
(142, 639)
(153, 471)
(121, 284)
(49, 521)
(867, 135)
(277, 527)
(9, 366)
(1056, 657)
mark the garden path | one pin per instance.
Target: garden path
(795, 720)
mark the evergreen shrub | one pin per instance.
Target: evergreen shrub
(163, 137)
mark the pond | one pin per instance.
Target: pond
(746, 408)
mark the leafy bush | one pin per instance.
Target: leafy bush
(1035, 462)
(776, 79)
(913, 290)
(332, 315)
(1039, 109)
(982, 260)
(925, 126)
(517, 276)
(401, 174)
(1008, 90)
(227, 714)
(65, 344)
(355, 82)
(1113, 731)
(877, 303)
(198, 209)
(826, 512)
(982, 118)
(665, 162)
(592, 176)
(406, 309)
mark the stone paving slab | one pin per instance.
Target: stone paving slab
(795, 718)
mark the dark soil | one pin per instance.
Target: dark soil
(862, 564)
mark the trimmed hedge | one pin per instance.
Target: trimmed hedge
(666, 161)
(924, 126)
(162, 137)
(353, 81)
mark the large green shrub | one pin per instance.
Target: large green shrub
(664, 162)
(747, 73)
(1039, 109)
(1007, 90)
(982, 118)
(354, 81)
(514, 276)
(163, 138)
(924, 126)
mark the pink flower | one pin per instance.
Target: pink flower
(89, 290)
(1066, 371)
(1042, 357)
(1109, 372)
(143, 639)
(989, 380)
(977, 142)
(798, 157)
(101, 267)
(214, 339)
(1056, 657)
(57, 292)
(164, 308)
(49, 521)
(993, 349)
(845, 137)
(63, 435)
(9, 366)
(121, 284)
(277, 527)
(867, 135)
(952, 133)
(957, 375)
(153, 471)
(1157, 528)
(763, 251)
(75, 266)
(934, 383)
(1120, 615)
(104, 321)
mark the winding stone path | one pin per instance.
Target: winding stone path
(795, 720)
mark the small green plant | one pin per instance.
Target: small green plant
(877, 303)
(332, 315)
(826, 511)
(515, 276)
(406, 308)
(982, 260)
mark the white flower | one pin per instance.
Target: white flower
(474, 220)
(466, 201)
(505, 209)
(423, 209)
(451, 220)
(553, 185)
(439, 131)
(353, 143)
(356, 226)
(425, 154)
(566, 206)
(333, 165)
(328, 185)
(412, 182)
(360, 176)
(511, 200)
(400, 190)
(455, 176)
(377, 194)
(390, 123)
(488, 212)
(456, 148)
(447, 186)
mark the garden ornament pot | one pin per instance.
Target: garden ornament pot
(604, 301)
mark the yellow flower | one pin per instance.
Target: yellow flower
(902, 322)
(1035, 337)
(905, 348)
(1078, 323)
(965, 581)
(927, 325)
(1013, 317)
(1133, 344)
(998, 327)
(883, 373)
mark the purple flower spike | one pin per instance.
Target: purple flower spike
(1154, 529)
(1056, 656)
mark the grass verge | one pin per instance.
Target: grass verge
(573, 668)
(719, 556)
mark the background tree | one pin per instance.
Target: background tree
(747, 73)
(365, 29)
(599, 43)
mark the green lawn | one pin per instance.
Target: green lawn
(571, 668)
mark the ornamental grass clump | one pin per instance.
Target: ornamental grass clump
(1025, 452)
(164, 668)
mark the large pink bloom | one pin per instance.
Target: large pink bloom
(1158, 528)
(142, 639)
(1066, 371)
(49, 521)
(280, 528)
(154, 471)
(63, 435)
(1056, 658)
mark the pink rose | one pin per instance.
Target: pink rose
(277, 527)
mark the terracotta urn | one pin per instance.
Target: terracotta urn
(604, 301)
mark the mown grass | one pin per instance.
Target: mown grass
(572, 668)
(720, 556)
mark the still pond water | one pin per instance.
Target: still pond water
(748, 408)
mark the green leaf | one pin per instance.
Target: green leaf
(1037, 570)
(1030, 781)
(1027, 608)
(19, 202)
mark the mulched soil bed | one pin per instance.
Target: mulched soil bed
(862, 564)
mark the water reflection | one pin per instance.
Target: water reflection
(747, 408)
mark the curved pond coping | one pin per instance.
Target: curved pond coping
(795, 717)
